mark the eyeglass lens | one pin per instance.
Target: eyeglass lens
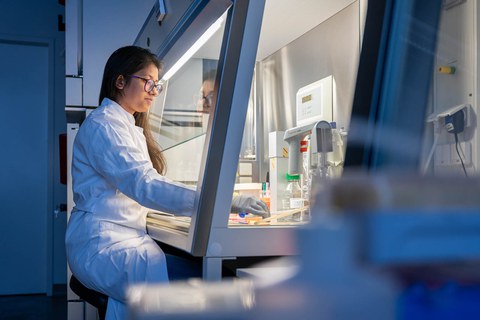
(150, 84)
(209, 98)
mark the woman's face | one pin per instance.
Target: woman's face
(134, 98)
(204, 105)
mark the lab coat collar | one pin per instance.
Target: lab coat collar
(118, 110)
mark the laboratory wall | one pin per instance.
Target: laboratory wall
(457, 52)
(97, 28)
(31, 27)
(331, 48)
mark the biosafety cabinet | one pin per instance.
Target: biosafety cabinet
(230, 94)
(207, 140)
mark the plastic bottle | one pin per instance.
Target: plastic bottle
(293, 192)
(265, 194)
(293, 195)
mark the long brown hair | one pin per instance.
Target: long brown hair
(123, 62)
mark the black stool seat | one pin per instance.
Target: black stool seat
(95, 298)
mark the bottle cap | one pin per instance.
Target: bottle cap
(293, 177)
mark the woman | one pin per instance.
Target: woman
(117, 174)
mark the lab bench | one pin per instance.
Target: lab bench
(229, 242)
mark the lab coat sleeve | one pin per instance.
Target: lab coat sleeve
(116, 156)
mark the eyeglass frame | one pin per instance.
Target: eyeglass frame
(157, 86)
(209, 98)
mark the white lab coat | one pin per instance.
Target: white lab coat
(114, 183)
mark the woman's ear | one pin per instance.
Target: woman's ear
(120, 82)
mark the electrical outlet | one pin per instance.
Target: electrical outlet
(446, 154)
(456, 122)
(465, 149)
(442, 155)
(468, 117)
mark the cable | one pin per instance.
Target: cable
(430, 155)
(459, 156)
(436, 134)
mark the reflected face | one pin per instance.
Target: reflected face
(134, 98)
(205, 102)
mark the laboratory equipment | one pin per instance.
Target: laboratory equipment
(310, 141)
(314, 102)
(208, 233)
(293, 137)
(321, 144)
(312, 160)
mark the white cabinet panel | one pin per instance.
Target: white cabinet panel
(73, 87)
(107, 25)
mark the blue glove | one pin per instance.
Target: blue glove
(244, 203)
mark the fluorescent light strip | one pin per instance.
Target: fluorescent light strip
(194, 48)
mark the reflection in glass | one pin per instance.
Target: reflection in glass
(179, 118)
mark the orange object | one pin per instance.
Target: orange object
(253, 220)
(446, 69)
(266, 200)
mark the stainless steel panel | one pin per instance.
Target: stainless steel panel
(331, 48)
(253, 241)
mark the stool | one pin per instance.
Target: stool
(95, 298)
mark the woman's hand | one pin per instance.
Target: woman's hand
(250, 204)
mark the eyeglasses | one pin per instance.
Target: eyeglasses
(149, 84)
(208, 99)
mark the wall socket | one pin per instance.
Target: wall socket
(446, 154)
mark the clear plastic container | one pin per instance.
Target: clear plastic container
(293, 192)
(305, 177)
(336, 158)
(293, 197)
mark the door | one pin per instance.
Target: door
(25, 178)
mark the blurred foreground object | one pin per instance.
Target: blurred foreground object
(379, 247)
(186, 299)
